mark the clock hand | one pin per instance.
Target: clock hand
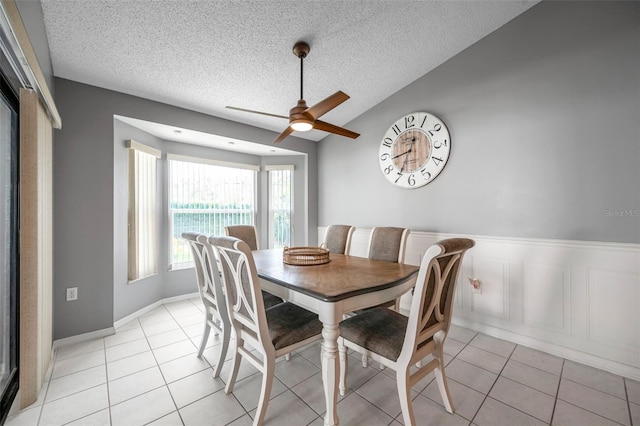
(404, 163)
(400, 155)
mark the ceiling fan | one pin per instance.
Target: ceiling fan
(302, 118)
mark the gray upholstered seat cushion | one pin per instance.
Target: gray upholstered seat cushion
(389, 304)
(378, 330)
(269, 300)
(290, 324)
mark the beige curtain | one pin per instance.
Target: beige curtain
(36, 277)
(38, 115)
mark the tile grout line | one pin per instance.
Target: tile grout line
(106, 376)
(586, 409)
(210, 368)
(246, 413)
(44, 398)
(626, 394)
(555, 401)
(300, 398)
(83, 390)
(160, 369)
(487, 394)
(494, 383)
(434, 378)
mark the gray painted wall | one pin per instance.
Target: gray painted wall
(84, 194)
(544, 116)
(128, 298)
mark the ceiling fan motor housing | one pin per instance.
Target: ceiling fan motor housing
(299, 118)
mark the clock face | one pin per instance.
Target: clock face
(414, 150)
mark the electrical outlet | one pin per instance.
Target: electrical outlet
(476, 286)
(72, 293)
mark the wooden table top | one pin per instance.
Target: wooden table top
(341, 278)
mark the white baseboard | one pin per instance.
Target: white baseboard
(550, 348)
(180, 298)
(117, 324)
(79, 338)
(149, 308)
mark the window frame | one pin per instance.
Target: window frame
(211, 162)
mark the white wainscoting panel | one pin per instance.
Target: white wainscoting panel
(576, 299)
(613, 321)
(494, 282)
(546, 301)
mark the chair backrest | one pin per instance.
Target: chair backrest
(247, 233)
(337, 238)
(432, 304)
(207, 274)
(243, 294)
(388, 243)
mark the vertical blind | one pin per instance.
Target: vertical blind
(280, 205)
(204, 197)
(142, 211)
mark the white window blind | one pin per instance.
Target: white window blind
(280, 205)
(205, 196)
(142, 255)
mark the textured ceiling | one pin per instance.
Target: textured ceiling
(203, 55)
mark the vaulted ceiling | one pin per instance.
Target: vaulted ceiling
(204, 55)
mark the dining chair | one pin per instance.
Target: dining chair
(249, 235)
(389, 244)
(399, 342)
(273, 332)
(211, 294)
(337, 238)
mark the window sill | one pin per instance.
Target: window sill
(141, 278)
(181, 267)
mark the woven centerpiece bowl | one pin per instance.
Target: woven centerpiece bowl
(305, 256)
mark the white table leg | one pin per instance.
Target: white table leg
(330, 333)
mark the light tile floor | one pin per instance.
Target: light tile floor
(148, 373)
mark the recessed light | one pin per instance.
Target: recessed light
(273, 150)
(177, 132)
(231, 143)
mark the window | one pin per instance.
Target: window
(142, 257)
(205, 196)
(280, 205)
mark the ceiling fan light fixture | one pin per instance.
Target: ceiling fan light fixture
(301, 125)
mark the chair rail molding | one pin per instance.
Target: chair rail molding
(574, 299)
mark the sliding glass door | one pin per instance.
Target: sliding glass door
(8, 247)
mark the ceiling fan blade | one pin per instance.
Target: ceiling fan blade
(327, 127)
(257, 112)
(284, 134)
(326, 105)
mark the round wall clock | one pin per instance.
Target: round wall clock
(414, 150)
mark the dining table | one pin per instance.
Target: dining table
(333, 289)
